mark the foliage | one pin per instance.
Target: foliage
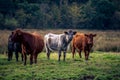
(11, 23)
(78, 14)
(104, 12)
(100, 66)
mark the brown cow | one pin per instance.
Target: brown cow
(31, 44)
(82, 42)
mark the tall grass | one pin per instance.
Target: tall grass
(104, 41)
(3, 40)
(107, 41)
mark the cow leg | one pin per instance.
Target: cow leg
(35, 58)
(48, 52)
(85, 55)
(31, 59)
(64, 55)
(16, 55)
(25, 59)
(48, 55)
(59, 55)
(22, 56)
(73, 52)
(9, 55)
(80, 54)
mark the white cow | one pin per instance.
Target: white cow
(58, 42)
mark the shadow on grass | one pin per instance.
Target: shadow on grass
(4, 61)
(78, 60)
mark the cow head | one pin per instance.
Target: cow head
(90, 38)
(70, 34)
(10, 36)
(16, 35)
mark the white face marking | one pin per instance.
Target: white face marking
(67, 38)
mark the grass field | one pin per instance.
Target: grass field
(100, 66)
(104, 63)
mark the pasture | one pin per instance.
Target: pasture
(100, 66)
(103, 64)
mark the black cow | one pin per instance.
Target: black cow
(13, 47)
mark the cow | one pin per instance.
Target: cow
(32, 43)
(58, 42)
(82, 42)
(13, 47)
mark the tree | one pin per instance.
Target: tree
(55, 16)
(87, 14)
(7, 7)
(66, 21)
(11, 23)
(1, 21)
(21, 17)
(104, 11)
(74, 12)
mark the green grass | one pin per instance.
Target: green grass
(100, 66)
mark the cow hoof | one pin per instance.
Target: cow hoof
(8, 59)
(31, 63)
(75, 60)
(86, 61)
(48, 58)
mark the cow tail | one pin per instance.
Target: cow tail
(47, 44)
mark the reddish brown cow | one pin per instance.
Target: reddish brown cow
(31, 44)
(82, 42)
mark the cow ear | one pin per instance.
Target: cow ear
(86, 35)
(12, 32)
(66, 32)
(74, 32)
(94, 35)
(19, 33)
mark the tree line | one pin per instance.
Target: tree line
(64, 14)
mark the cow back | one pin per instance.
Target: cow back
(79, 40)
(38, 42)
(31, 42)
(52, 41)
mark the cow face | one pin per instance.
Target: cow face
(10, 36)
(16, 35)
(90, 38)
(70, 34)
